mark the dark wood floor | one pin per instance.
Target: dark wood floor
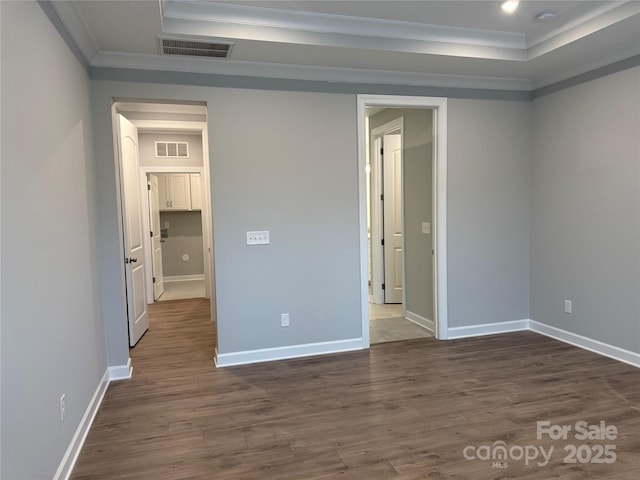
(403, 410)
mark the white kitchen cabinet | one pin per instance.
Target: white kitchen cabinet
(196, 191)
(174, 191)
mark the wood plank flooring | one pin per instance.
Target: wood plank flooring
(402, 411)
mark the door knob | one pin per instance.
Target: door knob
(130, 260)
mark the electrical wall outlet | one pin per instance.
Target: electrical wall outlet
(568, 306)
(284, 319)
(63, 406)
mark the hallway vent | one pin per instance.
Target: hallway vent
(190, 48)
(172, 150)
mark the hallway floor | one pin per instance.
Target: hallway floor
(387, 325)
(182, 290)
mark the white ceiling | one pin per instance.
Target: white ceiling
(438, 43)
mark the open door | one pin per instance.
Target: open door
(156, 238)
(138, 318)
(393, 241)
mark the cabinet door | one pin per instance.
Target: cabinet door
(196, 192)
(163, 193)
(179, 188)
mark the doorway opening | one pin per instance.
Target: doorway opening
(163, 164)
(402, 166)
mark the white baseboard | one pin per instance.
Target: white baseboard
(420, 320)
(120, 372)
(282, 353)
(183, 278)
(487, 329)
(73, 450)
(595, 346)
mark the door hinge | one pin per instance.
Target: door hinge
(382, 151)
(151, 234)
(154, 279)
(148, 186)
(433, 251)
(382, 197)
(383, 286)
(382, 242)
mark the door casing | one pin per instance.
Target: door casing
(439, 227)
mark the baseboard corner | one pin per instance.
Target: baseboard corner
(420, 321)
(121, 372)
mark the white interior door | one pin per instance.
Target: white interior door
(156, 238)
(393, 241)
(133, 231)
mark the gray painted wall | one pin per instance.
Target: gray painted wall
(586, 209)
(265, 174)
(417, 203)
(52, 333)
(147, 151)
(489, 210)
(185, 237)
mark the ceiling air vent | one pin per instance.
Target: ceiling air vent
(190, 48)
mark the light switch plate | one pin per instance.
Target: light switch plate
(258, 238)
(426, 227)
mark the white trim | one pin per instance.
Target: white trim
(77, 441)
(256, 21)
(488, 329)
(183, 278)
(599, 18)
(78, 28)
(291, 351)
(307, 72)
(439, 106)
(586, 343)
(420, 321)
(558, 75)
(120, 372)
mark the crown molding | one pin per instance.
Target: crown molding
(251, 16)
(77, 27)
(211, 19)
(557, 77)
(583, 26)
(304, 72)
(240, 22)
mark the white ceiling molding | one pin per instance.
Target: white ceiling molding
(210, 19)
(304, 72)
(558, 76)
(78, 28)
(300, 21)
(586, 25)
(185, 17)
(440, 48)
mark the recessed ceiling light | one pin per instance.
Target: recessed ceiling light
(543, 16)
(509, 6)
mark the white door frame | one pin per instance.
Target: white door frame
(439, 107)
(148, 250)
(204, 171)
(377, 250)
